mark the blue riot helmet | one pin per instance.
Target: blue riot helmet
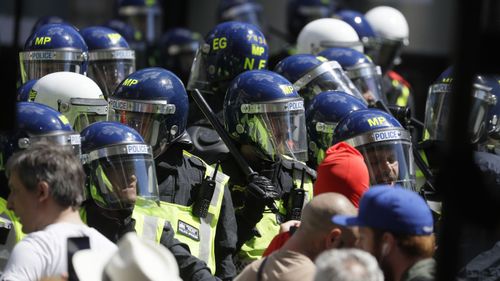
(36, 123)
(52, 48)
(177, 49)
(228, 49)
(143, 15)
(23, 92)
(366, 76)
(263, 110)
(301, 12)
(110, 57)
(119, 166)
(493, 119)
(358, 21)
(154, 102)
(437, 108)
(248, 11)
(312, 75)
(385, 145)
(134, 39)
(322, 116)
(46, 20)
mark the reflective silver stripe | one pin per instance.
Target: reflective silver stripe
(326, 127)
(363, 70)
(152, 106)
(484, 93)
(68, 55)
(388, 134)
(311, 75)
(123, 149)
(149, 228)
(112, 55)
(283, 106)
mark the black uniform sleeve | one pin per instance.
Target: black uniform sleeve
(190, 267)
(225, 239)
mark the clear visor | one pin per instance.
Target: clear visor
(36, 64)
(368, 80)
(388, 156)
(437, 111)
(145, 118)
(248, 13)
(385, 52)
(326, 77)
(356, 45)
(121, 174)
(324, 133)
(83, 112)
(108, 72)
(278, 128)
(147, 20)
(198, 79)
(64, 139)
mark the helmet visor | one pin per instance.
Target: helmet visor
(324, 135)
(278, 128)
(247, 12)
(326, 77)
(67, 139)
(36, 64)
(198, 78)
(437, 111)
(368, 80)
(83, 112)
(109, 72)
(147, 20)
(120, 174)
(385, 52)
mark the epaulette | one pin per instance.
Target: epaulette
(291, 164)
(194, 160)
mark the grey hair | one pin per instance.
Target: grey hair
(347, 265)
(54, 164)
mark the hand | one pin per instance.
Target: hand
(286, 226)
(262, 189)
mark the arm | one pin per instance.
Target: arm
(25, 262)
(190, 267)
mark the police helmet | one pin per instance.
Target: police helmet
(262, 109)
(119, 165)
(327, 33)
(154, 102)
(229, 49)
(248, 11)
(143, 15)
(23, 92)
(38, 123)
(74, 95)
(301, 12)
(392, 31)
(437, 108)
(51, 48)
(385, 145)
(110, 57)
(312, 75)
(322, 116)
(46, 20)
(366, 76)
(177, 49)
(360, 24)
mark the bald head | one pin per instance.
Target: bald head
(317, 214)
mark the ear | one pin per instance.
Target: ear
(333, 239)
(388, 241)
(42, 191)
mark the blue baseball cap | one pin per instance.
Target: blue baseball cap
(393, 209)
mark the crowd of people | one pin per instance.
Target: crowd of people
(140, 154)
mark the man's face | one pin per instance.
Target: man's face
(24, 204)
(383, 165)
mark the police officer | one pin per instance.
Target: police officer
(23, 92)
(264, 116)
(322, 116)
(228, 50)
(75, 95)
(385, 145)
(110, 57)
(154, 101)
(34, 123)
(248, 11)
(51, 48)
(366, 76)
(123, 192)
(134, 38)
(312, 75)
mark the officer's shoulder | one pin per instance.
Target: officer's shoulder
(194, 160)
(291, 164)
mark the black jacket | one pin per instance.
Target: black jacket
(178, 176)
(114, 225)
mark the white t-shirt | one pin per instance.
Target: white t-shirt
(44, 253)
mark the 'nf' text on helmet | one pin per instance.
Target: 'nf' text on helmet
(119, 165)
(110, 57)
(154, 102)
(327, 33)
(228, 50)
(385, 145)
(51, 48)
(262, 109)
(74, 95)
